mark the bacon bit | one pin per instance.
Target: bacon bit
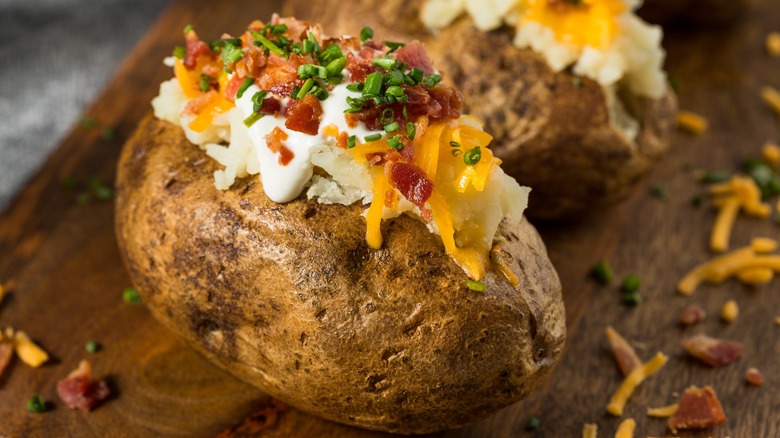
(438, 103)
(618, 401)
(625, 356)
(699, 408)
(662, 412)
(590, 430)
(196, 105)
(414, 55)
(270, 105)
(754, 377)
(729, 311)
(6, 351)
(275, 142)
(232, 87)
(195, 48)
(626, 429)
(252, 63)
(692, 315)
(79, 391)
(304, 115)
(280, 75)
(285, 155)
(359, 67)
(391, 199)
(262, 419)
(411, 181)
(711, 351)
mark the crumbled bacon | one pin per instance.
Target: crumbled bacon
(262, 419)
(280, 75)
(624, 353)
(285, 155)
(414, 55)
(437, 103)
(711, 351)
(692, 315)
(194, 106)
(79, 391)
(275, 142)
(699, 408)
(252, 63)
(342, 140)
(304, 115)
(231, 89)
(271, 105)
(6, 351)
(195, 48)
(359, 67)
(754, 377)
(411, 181)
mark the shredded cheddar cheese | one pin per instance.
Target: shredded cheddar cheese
(773, 43)
(2, 293)
(772, 97)
(771, 154)
(662, 412)
(738, 194)
(626, 429)
(590, 430)
(777, 320)
(755, 276)
(28, 351)
(618, 401)
(691, 122)
(729, 311)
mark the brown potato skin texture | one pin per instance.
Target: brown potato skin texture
(707, 12)
(552, 136)
(289, 297)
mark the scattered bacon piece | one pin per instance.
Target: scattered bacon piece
(414, 55)
(195, 48)
(79, 391)
(342, 140)
(6, 351)
(280, 75)
(304, 115)
(195, 106)
(285, 155)
(271, 105)
(256, 422)
(231, 89)
(438, 103)
(713, 352)
(252, 63)
(625, 356)
(692, 315)
(359, 67)
(411, 181)
(754, 377)
(699, 408)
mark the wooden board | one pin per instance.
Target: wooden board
(62, 266)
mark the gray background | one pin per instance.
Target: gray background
(55, 57)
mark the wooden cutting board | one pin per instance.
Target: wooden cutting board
(61, 264)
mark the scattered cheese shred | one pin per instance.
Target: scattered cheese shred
(691, 122)
(729, 311)
(771, 154)
(755, 276)
(590, 430)
(662, 412)
(28, 351)
(773, 43)
(626, 429)
(771, 97)
(2, 293)
(618, 401)
(738, 194)
(777, 320)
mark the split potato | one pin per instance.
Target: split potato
(566, 137)
(291, 299)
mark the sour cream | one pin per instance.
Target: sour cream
(283, 183)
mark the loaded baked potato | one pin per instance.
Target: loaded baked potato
(452, 314)
(579, 144)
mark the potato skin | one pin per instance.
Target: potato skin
(708, 12)
(552, 132)
(289, 297)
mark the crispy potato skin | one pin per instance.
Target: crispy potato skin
(553, 135)
(697, 11)
(290, 298)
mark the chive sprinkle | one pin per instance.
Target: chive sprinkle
(454, 144)
(661, 192)
(268, 44)
(602, 272)
(395, 143)
(366, 34)
(472, 156)
(632, 299)
(244, 85)
(131, 296)
(391, 127)
(305, 88)
(36, 404)
(372, 137)
(92, 346)
(179, 52)
(630, 284)
(252, 119)
(187, 28)
(411, 130)
(532, 424)
(476, 286)
(351, 141)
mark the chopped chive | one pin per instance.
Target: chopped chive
(336, 66)
(305, 88)
(187, 28)
(351, 141)
(330, 54)
(104, 193)
(205, 82)
(36, 404)
(131, 296)
(661, 192)
(391, 127)
(714, 177)
(456, 152)
(257, 100)
(357, 86)
(532, 424)
(631, 299)
(319, 92)
(395, 143)
(248, 82)
(411, 130)
(476, 286)
(179, 52)
(454, 144)
(268, 44)
(393, 46)
(395, 91)
(417, 75)
(385, 63)
(387, 116)
(83, 198)
(306, 47)
(406, 116)
(372, 137)
(602, 272)
(87, 122)
(472, 156)
(308, 70)
(91, 346)
(630, 284)
(252, 119)
(431, 80)
(373, 84)
(366, 34)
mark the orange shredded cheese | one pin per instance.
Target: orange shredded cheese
(771, 154)
(763, 245)
(590, 430)
(777, 320)
(662, 412)
(691, 122)
(755, 276)
(426, 149)
(738, 194)
(626, 429)
(772, 97)
(618, 401)
(374, 216)
(721, 231)
(2, 292)
(773, 43)
(29, 352)
(729, 311)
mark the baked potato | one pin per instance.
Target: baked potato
(579, 145)
(695, 11)
(294, 298)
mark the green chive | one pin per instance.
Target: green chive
(305, 88)
(254, 117)
(36, 404)
(576, 82)
(131, 296)
(602, 272)
(395, 91)
(366, 34)
(187, 28)
(257, 100)
(431, 80)
(108, 134)
(661, 192)
(91, 346)
(393, 46)
(391, 127)
(205, 82)
(104, 193)
(87, 122)
(336, 66)
(265, 42)
(351, 141)
(319, 92)
(476, 286)
(454, 144)
(395, 143)
(472, 156)
(385, 63)
(532, 424)
(631, 299)
(373, 84)
(417, 75)
(179, 52)
(306, 47)
(330, 54)
(372, 137)
(411, 130)
(248, 82)
(630, 284)
(777, 220)
(456, 152)
(356, 87)
(714, 177)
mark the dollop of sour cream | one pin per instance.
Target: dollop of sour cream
(283, 183)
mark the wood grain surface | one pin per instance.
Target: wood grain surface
(62, 267)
